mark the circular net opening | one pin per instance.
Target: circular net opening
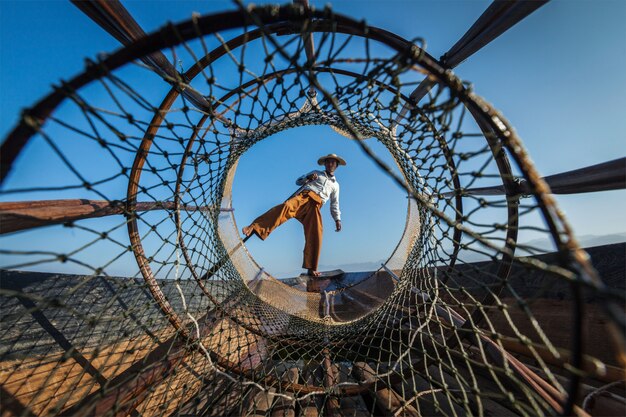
(147, 301)
(266, 176)
(314, 305)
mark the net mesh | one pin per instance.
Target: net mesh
(126, 288)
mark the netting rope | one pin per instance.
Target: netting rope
(148, 302)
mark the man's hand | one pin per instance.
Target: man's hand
(312, 177)
(337, 225)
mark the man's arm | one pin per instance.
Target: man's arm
(334, 208)
(311, 176)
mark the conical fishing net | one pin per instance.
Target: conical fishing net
(126, 288)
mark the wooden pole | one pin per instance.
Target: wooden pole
(21, 215)
(387, 400)
(331, 378)
(282, 406)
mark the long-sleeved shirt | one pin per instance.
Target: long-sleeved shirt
(326, 187)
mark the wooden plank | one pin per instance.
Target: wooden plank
(131, 386)
(353, 406)
(598, 401)
(236, 345)
(113, 17)
(481, 388)
(446, 404)
(21, 215)
(423, 389)
(312, 405)
(385, 398)
(447, 317)
(259, 403)
(176, 387)
(137, 383)
(230, 341)
(58, 381)
(331, 378)
(284, 407)
(193, 376)
(499, 17)
(11, 406)
(229, 403)
(592, 366)
(35, 381)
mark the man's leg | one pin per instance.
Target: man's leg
(263, 225)
(311, 218)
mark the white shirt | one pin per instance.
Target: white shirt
(326, 186)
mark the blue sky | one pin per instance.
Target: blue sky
(558, 76)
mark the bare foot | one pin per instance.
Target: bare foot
(247, 230)
(313, 273)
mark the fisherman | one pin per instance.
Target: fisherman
(316, 188)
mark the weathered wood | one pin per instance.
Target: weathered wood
(595, 400)
(218, 396)
(423, 390)
(331, 378)
(481, 389)
(446, 404)
(284, 407)
(386, 399)
(606, 404)
(447, 317)
(184, 382)
(113, 17)
(195, 377)
(353, 406)
(132, 385)
(499, 17)
(522, 374)
(11, 406)
(21, 215)
(259, 403)
(311, 406)
(56, 378)
(197, 403)
(236, 345)
(228, 403)
(310, 409)
(610, 175)
(138, 383)
(604, 373)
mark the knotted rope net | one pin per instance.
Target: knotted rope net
(126, 288)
